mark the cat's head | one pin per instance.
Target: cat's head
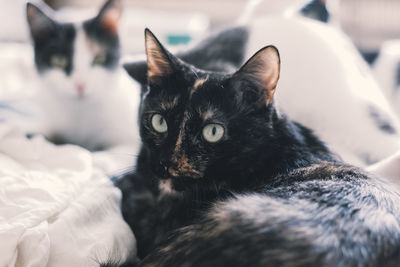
(75, 59)
(195, 123)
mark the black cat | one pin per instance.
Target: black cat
(226, 179)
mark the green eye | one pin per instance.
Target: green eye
(159, 123)
(59, 61)
(99, 59)
(213, 132)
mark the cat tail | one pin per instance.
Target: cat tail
(315, 9)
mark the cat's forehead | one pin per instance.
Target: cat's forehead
(199, 81)
(201, 92)
(200, 85)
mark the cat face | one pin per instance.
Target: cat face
(75, 60)
(194, 122)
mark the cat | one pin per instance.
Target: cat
(325, 85)
(84, 95)
(225, 178)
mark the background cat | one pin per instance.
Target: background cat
(225, 179)
(84, 96)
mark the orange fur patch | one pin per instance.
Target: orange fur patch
(111, 19)
(178, 143)
(179, 157)
(169, 105)
(172, 172)
(184, 166)
(197, 84)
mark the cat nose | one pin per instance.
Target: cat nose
(80, 88)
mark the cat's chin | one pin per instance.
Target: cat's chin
(81, 97)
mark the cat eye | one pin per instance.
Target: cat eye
(213, 132)
(159, 123)
(59, 61)
(99, 59)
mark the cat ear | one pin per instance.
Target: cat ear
(260, 72)
(40, 24)
(157, 57)
(159, 62)
(207, 54)
(110, 15)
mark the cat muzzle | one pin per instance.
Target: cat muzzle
(80, 88)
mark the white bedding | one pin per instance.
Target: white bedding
(57, 207)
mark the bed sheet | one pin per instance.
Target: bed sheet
(57, 207)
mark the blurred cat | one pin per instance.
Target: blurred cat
(85, 97)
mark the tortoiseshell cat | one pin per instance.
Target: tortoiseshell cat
(322, 69)
(226, 179)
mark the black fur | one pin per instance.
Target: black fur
(269, 193)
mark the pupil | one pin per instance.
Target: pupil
(214, 130)
(161, 121)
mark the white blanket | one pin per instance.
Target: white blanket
(56, 207)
